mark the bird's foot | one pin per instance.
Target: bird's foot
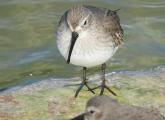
(104, 86)
(84, 83)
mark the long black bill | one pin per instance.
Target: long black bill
(73, 40)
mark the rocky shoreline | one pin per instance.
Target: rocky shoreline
(51, 100)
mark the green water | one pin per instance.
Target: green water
(28, 49)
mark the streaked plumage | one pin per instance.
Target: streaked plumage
(89, 36)
(97, 43)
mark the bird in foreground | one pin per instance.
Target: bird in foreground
(89, 36)
(106, 108)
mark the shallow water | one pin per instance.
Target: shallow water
(28, 49)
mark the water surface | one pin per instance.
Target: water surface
(28, 49)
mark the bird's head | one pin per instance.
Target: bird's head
(93, 113)
(78, 20)
(99, 108)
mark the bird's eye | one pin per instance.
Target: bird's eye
(85, 22)
(91, 111)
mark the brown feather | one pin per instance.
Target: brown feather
(75, 14)
(112, 25)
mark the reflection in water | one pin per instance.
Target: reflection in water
(28, 47)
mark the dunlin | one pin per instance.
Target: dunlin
(89, 36)
(106, 108)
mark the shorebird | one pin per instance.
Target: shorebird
(106, 108)
(89, 36)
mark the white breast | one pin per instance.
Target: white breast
(89, 49)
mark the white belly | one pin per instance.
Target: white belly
(92, 59)
(87, 51)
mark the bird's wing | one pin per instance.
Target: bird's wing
(112, 25)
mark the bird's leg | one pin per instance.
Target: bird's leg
(84, 82)
(103, 85)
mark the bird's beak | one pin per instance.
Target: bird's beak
(73, 40)
(80, 117)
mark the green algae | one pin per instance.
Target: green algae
(41, 101)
